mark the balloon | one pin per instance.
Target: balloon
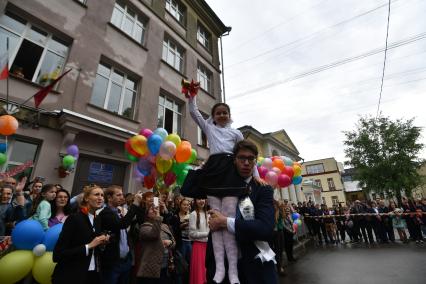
(68, 161)
(181, 178)
(154, 143)
(39, 250)
(27, 234)
(148, 181)
(173, 138)
(130, 150)
(146, 132)
(3, 147)
(276, 170)
(283, 180)
(15, 265)
(177, 168)
(163, 166)
(162, 132)
(297, 164)
(183, 152)
(297, 180)
(278, 163)
(298, 222)
(267, 163)
(137, 175)
(295, 227)
(139, 144)
(288, 171)
(43, 268)
(297, 170)
(8, 125)
(295, 216)
(169, 178)
(51, 236)
(271, 178)
(130, 157)
(260, 160)
(193, 156)
(287, 161)
(72, 150)
(144, 166)
(262, 171)
(3, 158)
(167, 150)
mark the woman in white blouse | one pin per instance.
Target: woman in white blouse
(198, 232)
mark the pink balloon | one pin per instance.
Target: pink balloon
(267, 163)
(262, 171)
(276, 170)
(288, 171)
(146, 132)
(271, 178)
(167, 150)
(284, 180)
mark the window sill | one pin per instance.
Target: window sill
(31, 83)
(81, 4)
(204, 47)
(127, 36)
(174, 19)
(113, 113)
(208, 93)
(173, 68)
(202, 146)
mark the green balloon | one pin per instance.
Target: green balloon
(193, 156)
(3, 158)
(181, 178)
(130, 157)
(177, 168)
(68, 161)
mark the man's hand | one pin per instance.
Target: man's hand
(217, 221)
(137, 199)
(21, 184)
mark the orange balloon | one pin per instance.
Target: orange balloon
(183, 152)
(139, 144)
(278, 163)
(8, 125)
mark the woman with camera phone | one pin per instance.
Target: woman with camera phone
(77, 249)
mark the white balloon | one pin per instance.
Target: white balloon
(39, 250)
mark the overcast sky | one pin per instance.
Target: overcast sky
(274, 44)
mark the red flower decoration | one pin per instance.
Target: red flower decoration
(190, 89)
(84, 210)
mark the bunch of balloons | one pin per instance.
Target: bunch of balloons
(296, 221)
(34, 253)
(162, 159)
(68, 161)
(279, 171)
(3, 155)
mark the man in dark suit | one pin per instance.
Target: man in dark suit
(253, 226)
(115, 259)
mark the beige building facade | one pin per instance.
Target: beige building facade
(327, 173)
(127, 59)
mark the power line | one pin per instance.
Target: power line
(331, 65)
(384, 61)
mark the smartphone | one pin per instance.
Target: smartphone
(156, 202)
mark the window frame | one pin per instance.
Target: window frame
(123, 86)
(24, 35)
(207, 75)
(11, 145)
(204, 36)
(177, 9)
(335, 200)
(178, 112)
(201, 136)
(312, 169)
(167, 42)
(331, 184)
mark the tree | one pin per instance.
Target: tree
(384, 154)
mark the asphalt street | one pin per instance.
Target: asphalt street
(355, 264)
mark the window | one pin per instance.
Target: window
(176, 9)
(202, 138)
(347, 178)
(18, 154)
(114, 90)
(318, 183)
(204, 76)
(169, 115)
(34, 54)
(203, 36)
(335, 200)
(173, 54)
(315, 169)
(323, 200)
(331, 185)
(129, 21)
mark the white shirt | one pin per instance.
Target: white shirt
(92, 265)
(221, 139)
(201, 233)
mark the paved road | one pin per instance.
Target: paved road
(388, 264)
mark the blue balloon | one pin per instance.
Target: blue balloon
(295, 216)
(154, 143)
(3, 147)
(162, 132)
(144, 167)
(51, 236)
(297, 180)
(27, 234)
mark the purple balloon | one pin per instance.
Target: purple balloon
(146, 132)
(72, 150)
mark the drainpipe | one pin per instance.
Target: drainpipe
(228, 30)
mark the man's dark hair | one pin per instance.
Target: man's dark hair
(245, 145)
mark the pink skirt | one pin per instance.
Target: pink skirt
(197, 269)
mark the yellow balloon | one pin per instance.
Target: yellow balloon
(15, 265)
(139, 144)
(43, 268)
(173, 138)
(297, 170)
(163, 166)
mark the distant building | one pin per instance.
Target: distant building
(312, 191)
(352, 189)
(327, 173)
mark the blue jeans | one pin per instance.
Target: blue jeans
(119, 273)
(186, 250)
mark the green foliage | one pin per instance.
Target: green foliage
(385, 154)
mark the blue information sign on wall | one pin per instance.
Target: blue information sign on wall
(100, 172)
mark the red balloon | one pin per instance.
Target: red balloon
(169, 178)
(148, 181)
(288, 171)
(262, 171)
(284, 180)
(130, 150)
